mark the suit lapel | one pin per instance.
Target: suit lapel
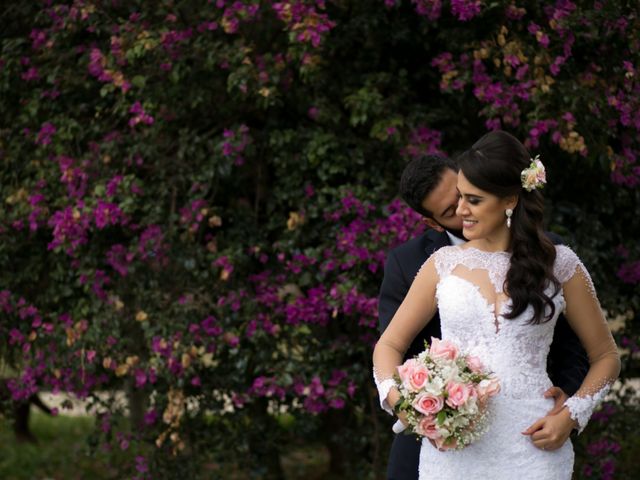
(437, 241)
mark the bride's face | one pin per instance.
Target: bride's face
(483, 214)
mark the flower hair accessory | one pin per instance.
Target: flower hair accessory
(534, 176)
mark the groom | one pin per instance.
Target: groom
(428, 186)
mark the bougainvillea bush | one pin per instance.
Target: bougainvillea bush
(197, 198)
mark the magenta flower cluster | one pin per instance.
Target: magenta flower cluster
(31, 73)
(432, 9)
(303, 18)
(139, 115)
(39, 208)
(194, 214)
(45, 134)
(69, 228)
(46, 365)
(73, 175)
(517, 89)
(316, 396)
(98, 67)
(234, 143)
(630, 272)
(601, 463)
(423, 141)
(465, 10)
(235, 12)
(172, 39)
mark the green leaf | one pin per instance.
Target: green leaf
(99, 190)
(139, 81)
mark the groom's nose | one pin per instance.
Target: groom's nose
(461, 209)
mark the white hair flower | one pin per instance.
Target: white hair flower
(534, 176)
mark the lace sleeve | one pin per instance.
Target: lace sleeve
(384, 385)
(566, 266)
(586, 318)
(417, 308)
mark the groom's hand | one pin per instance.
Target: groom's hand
(559, 397)
(550, 432)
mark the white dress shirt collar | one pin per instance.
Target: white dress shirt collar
(455, 240)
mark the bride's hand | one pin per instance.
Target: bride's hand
(393, 398)
(402, 416)
(402, 424)
(550, 432)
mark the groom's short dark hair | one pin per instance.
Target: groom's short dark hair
(420, 177)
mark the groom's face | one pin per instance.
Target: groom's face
(442, 203)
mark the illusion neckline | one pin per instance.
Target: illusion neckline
(486, 252)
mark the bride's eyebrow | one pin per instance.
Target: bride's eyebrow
(467, 195)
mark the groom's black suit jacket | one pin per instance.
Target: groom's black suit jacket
(568, 363)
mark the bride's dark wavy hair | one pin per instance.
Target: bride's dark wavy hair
(494, 164)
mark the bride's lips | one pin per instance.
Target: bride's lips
(469, 224)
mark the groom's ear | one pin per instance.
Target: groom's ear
(431, 223)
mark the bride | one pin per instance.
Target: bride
(499, 296)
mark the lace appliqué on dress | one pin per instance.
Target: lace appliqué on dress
(384, 385)
(567, 264)
(581, 408)
(495, 263)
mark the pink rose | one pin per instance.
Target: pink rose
(405, 370)
(418, 377)
(475, 364)
(488, 388)
(541, 174)
(457, 394)
(427, 427)
(443, 349)
(428, 404)
(473, 391)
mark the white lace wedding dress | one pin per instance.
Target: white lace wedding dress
(470, 298)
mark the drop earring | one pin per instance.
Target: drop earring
(508, 212)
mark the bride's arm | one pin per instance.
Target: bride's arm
(585, 317)
(417, 308)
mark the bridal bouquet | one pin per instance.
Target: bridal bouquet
(445, 395)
